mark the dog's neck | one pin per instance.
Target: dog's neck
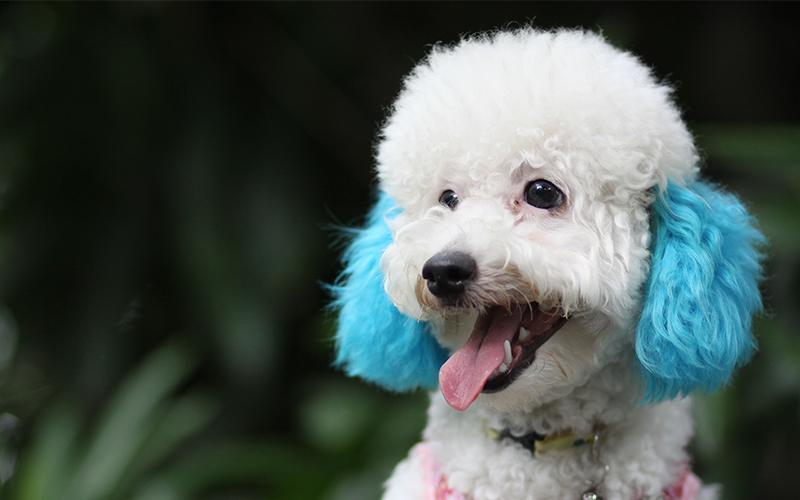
(603, 400)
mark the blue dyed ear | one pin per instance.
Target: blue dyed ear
(701, 292)
(374, 340)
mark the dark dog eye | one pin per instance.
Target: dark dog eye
(543, 194)
(449, 199)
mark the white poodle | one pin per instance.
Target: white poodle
(542, 250)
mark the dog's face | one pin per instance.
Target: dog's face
(536, 257)
(524, 176)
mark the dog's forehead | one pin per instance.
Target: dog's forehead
(566, 102)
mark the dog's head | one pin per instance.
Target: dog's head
(539, 216)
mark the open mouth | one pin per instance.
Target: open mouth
(502, 345)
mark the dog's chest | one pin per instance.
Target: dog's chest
(632, 459)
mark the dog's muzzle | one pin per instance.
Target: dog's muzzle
(509, 329)
(449, 273)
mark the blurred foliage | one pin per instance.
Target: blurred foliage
(169, 173)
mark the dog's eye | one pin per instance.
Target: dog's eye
(543, 194)
(449, 199)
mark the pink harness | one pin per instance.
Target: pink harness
(434, 481)
(436, 487)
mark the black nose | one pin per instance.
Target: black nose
(448, 273)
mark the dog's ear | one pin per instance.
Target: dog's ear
(701, 292)
(374, 340)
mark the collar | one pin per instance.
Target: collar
(539, 444)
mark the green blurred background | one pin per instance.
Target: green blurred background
(169, 177)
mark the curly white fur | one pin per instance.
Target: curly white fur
(483, 119)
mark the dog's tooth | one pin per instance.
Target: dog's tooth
(524, 334)
(507, 348)
(502, 368)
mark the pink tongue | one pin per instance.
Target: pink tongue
(463, 376)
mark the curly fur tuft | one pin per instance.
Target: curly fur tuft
(701, 292)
